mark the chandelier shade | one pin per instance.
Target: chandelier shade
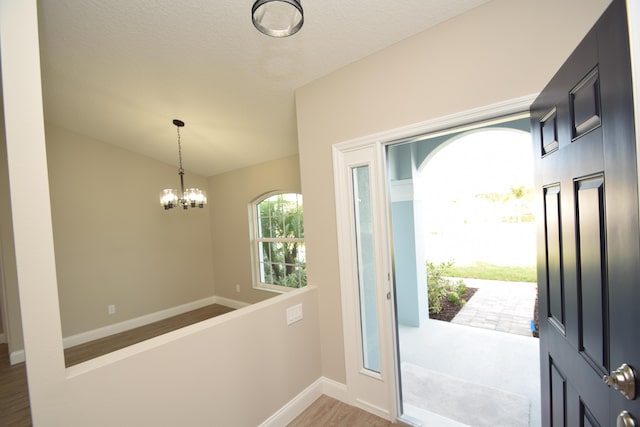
(277, 18)
(187, 198)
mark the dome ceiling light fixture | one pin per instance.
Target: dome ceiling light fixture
(277, 18)
(190, 197)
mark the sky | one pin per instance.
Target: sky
(481, 162)
(458, 227)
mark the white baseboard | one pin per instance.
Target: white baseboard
(335, 389)
(304, 399)
(105, 331)
(16, 357)
(136, 322)
(235, 304)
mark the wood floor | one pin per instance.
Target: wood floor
(327, 412)
(90, 350)
(14, 398)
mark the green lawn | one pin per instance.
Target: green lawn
(482, 270)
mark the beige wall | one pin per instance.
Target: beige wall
(231, 371)
(502, 50)
(205, 374)
(257, 361)
(230, 195)
(112, 238)
(114, 243)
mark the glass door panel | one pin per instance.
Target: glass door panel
(366, 269)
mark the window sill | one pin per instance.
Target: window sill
(276, 289)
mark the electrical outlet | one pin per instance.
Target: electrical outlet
(237, 288)
(111, 309)
(294, 314)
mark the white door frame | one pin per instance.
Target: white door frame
(379, 394)
(369, 390)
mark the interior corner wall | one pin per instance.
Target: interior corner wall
(114, 244)
(499, 51)
(234, 191)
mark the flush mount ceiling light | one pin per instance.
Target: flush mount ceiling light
(190, 197)
(277, 18)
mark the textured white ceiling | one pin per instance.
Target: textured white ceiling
(120, 70)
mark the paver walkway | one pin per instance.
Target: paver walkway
(500, 306)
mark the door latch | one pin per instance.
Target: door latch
(625, 420)
(622, 379)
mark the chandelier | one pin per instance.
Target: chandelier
(189, 197)
(277, 18)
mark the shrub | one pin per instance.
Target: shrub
(439, 287)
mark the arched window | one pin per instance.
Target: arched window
(278, 242)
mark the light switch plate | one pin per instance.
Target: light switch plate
(294, 314)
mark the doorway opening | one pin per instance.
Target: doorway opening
(465, 276)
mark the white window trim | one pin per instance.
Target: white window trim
(253, 237)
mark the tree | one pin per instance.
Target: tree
(520, 194)
(492, 197)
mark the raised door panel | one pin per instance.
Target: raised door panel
(588, 241)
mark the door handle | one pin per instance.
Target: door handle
(625, 420)
(622, 379)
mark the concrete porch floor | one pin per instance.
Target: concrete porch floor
(494, 359)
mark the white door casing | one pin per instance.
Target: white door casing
(369, 389)
(376, 392)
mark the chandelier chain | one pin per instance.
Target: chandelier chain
(179, 149)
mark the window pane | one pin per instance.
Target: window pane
(300, 254)
(301, 225)
(295, 277)
(264, 230)
(366, 269)
(278, 224)
(277, 252)
(265, 273)
(263, 255)
(300, 216)
(281, 262)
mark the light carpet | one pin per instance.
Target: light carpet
(472, 404)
